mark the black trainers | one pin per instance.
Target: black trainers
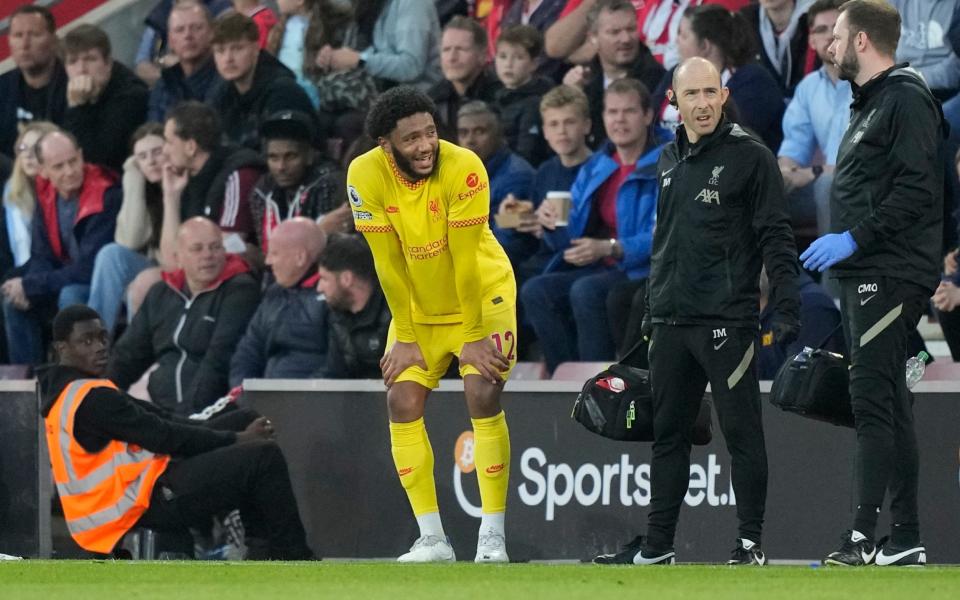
(634, 554)
(747, 553)
(891, 556)
(856, 550)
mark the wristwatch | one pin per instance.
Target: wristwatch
(615, 250)
(817, 170)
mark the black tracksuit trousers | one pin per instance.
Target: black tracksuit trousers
(251, 477)
(878, 315)
(683, 359)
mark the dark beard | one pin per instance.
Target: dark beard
(339, 301)
(849, 66)
(406, 167)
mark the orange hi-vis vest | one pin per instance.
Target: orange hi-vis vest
(103, 493)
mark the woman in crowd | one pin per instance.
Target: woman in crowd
(129, 265)
(725, 39)
(19, 202)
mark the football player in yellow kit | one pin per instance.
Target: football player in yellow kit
(423, 204)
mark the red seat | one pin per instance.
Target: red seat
(528, 371)
(578, 371)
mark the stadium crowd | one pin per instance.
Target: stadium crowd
(197, 200)
(246, 119)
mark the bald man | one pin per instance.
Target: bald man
(287, 337)
(721, 217)
(77, 206)
(189, 323)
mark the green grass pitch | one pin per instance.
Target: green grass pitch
(94, 580)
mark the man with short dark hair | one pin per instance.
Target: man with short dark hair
(479, 128)
(202, 177)
(300, 181)
(612, 27)
(257, 84)
(121, 463)
(36, 90)
(463, 60)
(608, 237)
(287, 336)
(106, 101)
(887, 208)
(194, 76)
(189, 324)
(359, 315)
(76, 215)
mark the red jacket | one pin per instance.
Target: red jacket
(96, 181)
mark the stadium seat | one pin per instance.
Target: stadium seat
(528, 371)
(942, 370)
(578, 371)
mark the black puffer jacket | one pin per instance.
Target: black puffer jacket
(721, 213)
(274, 89)
(357, 340)
(287, 337)
(520, 115)
(191, 339)
(888, 186)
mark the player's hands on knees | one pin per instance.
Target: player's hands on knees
(400, 357)
(259, 429)
(484, 357)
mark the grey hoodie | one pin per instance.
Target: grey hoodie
(924, 44)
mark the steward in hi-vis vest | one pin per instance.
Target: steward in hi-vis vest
(119, 462)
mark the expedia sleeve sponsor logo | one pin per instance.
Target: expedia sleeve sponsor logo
(362, 215)
(468, 195)
(428, 250)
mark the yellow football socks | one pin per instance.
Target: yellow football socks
(413, 456)
(492, 458)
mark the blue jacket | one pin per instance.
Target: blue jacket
(510, 174)
(636, 209)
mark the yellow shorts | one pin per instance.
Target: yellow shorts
(440, 343)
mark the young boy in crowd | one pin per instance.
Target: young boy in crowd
(518, 52)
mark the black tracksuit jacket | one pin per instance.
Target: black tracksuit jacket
(888, 185)
(721, 213)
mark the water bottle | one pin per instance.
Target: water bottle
(915, 368)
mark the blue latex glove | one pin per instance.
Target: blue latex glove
(828, 250)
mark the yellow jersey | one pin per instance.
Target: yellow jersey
(436, 257)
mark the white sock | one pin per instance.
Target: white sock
(430, 524)
(491, 523)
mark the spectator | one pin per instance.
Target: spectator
(78, 204)
(299, 182)
(479, 128)
(566, 125)
(359, 315)
(819, 320)
(257, 85)
(194, 75)
(612, 26)
(202, 177)
(812, 124)
(287, 336)
(924, 44)
(19, 205)
(518, 50)
(37, 88)
(404, 45)
(136, 242)
(463, 59)
(724, 38)
(608, 238)
(152, 53)
(947, 297)
(288, 40)
(20, 200)
(189, 324)
(262, 15)
(178, 474)
(106, 101)
(780, 30)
